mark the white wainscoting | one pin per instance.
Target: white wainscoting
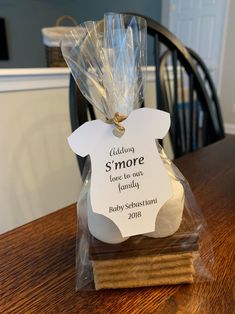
(38, 171)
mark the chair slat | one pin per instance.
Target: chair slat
(157, 63)
(183, 121)
(176, 113)
(169, 89)
(191, 110)
(78, 113)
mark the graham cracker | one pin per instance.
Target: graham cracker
(144, 274)
(149, 259)
(143, 271)
(136, 282)
(140, 267)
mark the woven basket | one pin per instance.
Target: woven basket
(51, 40)
(54, 57)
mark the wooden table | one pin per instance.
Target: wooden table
(37, 261)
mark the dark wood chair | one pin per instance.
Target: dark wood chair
(81, 110)
(196, 116)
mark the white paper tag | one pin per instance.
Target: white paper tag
(129, 183)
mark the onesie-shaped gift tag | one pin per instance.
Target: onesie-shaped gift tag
(129, 183)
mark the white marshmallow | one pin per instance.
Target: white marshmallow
(170, 215)
(101, 227)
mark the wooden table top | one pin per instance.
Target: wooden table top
(37, 260)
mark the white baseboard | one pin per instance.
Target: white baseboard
(229, 128)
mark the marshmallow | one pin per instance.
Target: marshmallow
(101, 227)
(170, 215)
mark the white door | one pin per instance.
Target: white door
(200, 25)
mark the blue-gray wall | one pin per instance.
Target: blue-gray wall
(25, 19)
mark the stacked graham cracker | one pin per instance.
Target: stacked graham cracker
(141, 261)
(143, 271)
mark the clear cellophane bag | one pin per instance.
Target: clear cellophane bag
(107, 59)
